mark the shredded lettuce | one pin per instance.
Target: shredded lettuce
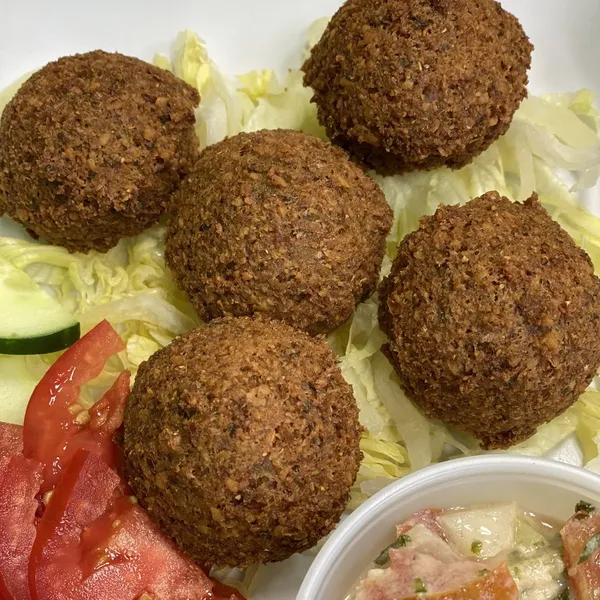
(588, 424)
(552, 147)
(129, 286)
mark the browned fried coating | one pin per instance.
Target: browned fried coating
(416, 84)
(242, 441)
(92, 146)
(493, 317)
(281, 223)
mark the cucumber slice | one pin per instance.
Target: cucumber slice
(31, 320)
(16, 386)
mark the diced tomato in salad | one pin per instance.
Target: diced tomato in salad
(581, 549)
(91, 540)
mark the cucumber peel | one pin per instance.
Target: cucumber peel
(31, 320)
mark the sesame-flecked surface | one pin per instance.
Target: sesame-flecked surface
(493, 318)
(279, 223)
(242, 441)
(416, 84)
(92, 146)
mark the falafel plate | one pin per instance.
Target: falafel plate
(234, 308)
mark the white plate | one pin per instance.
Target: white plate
(244, 35)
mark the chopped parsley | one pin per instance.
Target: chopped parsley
(384, 557)
(592, 546)
(477, 547)
(420, 586)
(482, 572)
(420, 23)
(584, 507)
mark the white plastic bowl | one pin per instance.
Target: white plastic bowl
(542, 486)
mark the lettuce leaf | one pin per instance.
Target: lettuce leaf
(587, 410)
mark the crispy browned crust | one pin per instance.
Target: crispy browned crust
(242, 441)
(493, 317)
(92, 146)
(281, 223)
(416, 84)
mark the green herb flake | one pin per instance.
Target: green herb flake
(420, 23)
(476, 547)
(384, 557)
(585, 507)
(420, 586)
(482, 572)
(592, 546)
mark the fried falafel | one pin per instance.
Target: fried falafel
(417, 84)
(242, 441)
(92, 147)
(280, 223)
(493, 318)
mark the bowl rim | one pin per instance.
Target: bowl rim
(325, 561)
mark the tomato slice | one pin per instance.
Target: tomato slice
(137, 558)
(224, 592)
(11, 443)
(93, 545)
(95, 538)
(18, 505)
(82, 495)
(126, 538)
(4, 593)
(49, 424)
(106, 416)
(48, 421)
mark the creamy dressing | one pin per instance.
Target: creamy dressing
(535, 561)
(489, 536)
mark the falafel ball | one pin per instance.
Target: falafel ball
(280, 223)
(493, 318)
(416, 84)
(92, 147)
(242, 441)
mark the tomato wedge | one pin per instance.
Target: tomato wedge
(49, 424)
(18, 505)
(224, 592)
(11, 443)
(106, 416)
(137, 558)
(4, 593)
(93, 545)
(85, 490)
